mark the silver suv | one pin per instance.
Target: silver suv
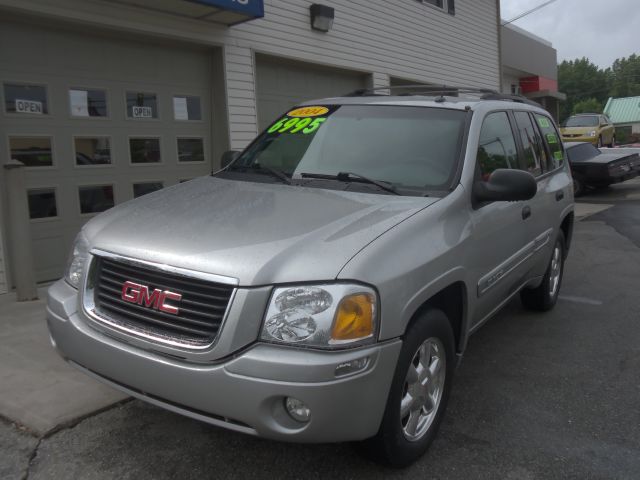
(323, 285)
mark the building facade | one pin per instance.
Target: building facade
(530, 68)
(625, 115)
(106, 100)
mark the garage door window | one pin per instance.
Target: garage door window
(25, 99)
(186, 107)
(32, 151)
(42, 203)
(143, 188)
(190, 150)
(144, 150)
(95, 198)
(141, 105)
(91, 151)
(87, 103)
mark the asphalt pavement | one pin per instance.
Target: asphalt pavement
(538, 396)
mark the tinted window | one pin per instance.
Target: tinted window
(42, 203)
(552, 140)
(497, 147)
(140, 189)
(92, 150)
(144, 150)
(190, 150)
(87, 103)
(32, 151)
(582, 152)
(530, 146)
(94, 199)
(20, 98)
(142, 105)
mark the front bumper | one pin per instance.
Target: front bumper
(244, 392)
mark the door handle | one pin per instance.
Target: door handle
(526, 212)
(559, 195)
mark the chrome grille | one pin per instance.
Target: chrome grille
(201, 309)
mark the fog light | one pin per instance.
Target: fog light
(352, 366)
(297, 409)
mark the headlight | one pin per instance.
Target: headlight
(593, 133)
(324, 316)
(77, 260)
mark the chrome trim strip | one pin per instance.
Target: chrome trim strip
(211, 277)
(102, 321)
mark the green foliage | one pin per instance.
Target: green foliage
(590, 105)
(588, 87)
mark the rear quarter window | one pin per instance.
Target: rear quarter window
(552, 140)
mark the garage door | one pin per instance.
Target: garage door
(98, 120)
(281, 84)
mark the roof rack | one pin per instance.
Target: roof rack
(441, 91)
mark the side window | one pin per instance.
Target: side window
(552, 140)
(540, 147)
(530, 147)
(496, 147)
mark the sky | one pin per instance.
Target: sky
(599, 30)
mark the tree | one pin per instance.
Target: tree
(590, 105)
(625, 77)
(581, 80)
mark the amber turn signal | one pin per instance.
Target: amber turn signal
(355, 318)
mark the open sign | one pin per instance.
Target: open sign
(142, 112)
(28, 106)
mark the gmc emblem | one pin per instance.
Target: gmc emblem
(139, 294)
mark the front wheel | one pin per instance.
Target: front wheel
(613, 142)
(600, 141)
(419, 392)
(545, 296)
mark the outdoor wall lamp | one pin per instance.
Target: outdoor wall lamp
(321, 17)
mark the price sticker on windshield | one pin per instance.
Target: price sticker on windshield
(304, 120)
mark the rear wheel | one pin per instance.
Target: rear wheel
(545, 296)
(419, 392)
(578, 186)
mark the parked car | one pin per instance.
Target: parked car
(322, 286)
(594, 128)
(590, 167)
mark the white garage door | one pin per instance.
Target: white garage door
(282, 84)
(98, 120)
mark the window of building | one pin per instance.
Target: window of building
(42, 203)
(87, 103)
(32, 151)
(497, 146)
(186, 107)
(448, 4)
(190, 150)
(92, 150)
(25, 99)
(144, 150)
(552, 140)
(530, 146)
(143, 188)
(142, 105)
(95, 198)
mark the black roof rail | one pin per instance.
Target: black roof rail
(441, 90)
(420, 90)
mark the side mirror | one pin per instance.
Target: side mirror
(506, 185)
(228, 157)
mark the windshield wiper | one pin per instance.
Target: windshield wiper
(280, 175)
(347, 177)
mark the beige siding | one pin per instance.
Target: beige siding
(239, 66)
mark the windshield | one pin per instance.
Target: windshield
(582, 121)
(408, 147)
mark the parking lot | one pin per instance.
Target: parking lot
(537, 396)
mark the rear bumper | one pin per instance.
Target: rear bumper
(245, 392)
(592, 140)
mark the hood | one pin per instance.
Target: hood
(254, 232)
(578, 130)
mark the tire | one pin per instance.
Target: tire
(599, 141)
(613, 142)
(545, 296)
(578, 186)
(392, 445)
